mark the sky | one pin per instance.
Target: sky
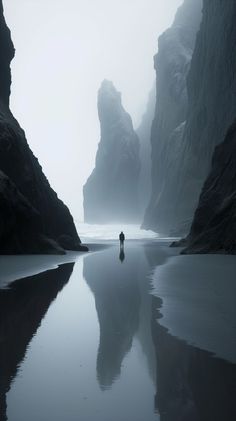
(64, 50)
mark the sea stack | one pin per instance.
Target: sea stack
(32, 218)
(111, 191)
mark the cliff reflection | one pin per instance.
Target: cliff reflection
(22, 308)
(191, 383)
(117, 299)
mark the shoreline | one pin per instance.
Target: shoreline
(197, 294)
(15, 267)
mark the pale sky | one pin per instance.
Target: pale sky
(64, 50)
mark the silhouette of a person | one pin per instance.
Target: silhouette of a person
(122, 239)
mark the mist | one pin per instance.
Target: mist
(64, 49)
(130, 109)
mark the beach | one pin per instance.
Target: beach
(103, 336)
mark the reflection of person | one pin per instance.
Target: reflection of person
(122, 239)
(122, 255)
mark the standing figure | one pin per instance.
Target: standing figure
(122, 239)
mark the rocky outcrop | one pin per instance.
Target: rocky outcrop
(20, 171)
(214, 225)
(6, 55)
(111, 192)
(20, 224)
(172, 64)
(144, 134)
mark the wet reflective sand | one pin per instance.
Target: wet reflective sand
(83, 342)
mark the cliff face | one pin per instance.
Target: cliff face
(144, 134)
(212, 102)
(20, 225)
(6, 55)
(214, 225)
(211, 110)
(172, 64)
(21, 171)
(111, 192)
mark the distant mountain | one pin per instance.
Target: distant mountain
(32, 218)
(111, 191)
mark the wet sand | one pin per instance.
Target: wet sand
(92, 340)
(22, 266)
(198, 296)
(198, 292)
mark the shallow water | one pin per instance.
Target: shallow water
(83, 342)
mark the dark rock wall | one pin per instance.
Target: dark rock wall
(172, 64)
(20, 223)
(111, 192)
(212, 102)
(20, 165)
(214, 225)
(6, 55)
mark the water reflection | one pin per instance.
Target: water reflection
(22, 308)
(192, 385)
(117, 303)
(161, 374)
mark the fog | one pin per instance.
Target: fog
(64, 49)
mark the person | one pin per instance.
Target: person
(122, 239)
